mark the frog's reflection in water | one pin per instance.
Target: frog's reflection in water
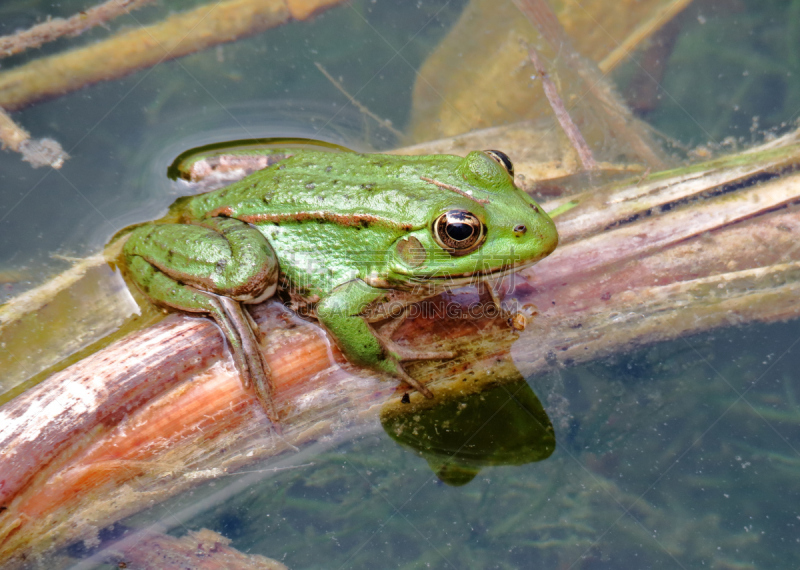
(503, 425)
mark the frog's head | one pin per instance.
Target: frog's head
(480, 225)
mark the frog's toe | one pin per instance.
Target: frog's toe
(241, 331)
(405, 354)
(418, 386)
(261, 384)
(409, 354)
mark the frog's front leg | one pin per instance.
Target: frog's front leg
(211, 267)
(341, 313)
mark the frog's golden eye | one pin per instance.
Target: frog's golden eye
(502, 159)
(459, 232)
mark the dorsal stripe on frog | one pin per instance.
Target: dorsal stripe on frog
(351, 220)
(453, 189)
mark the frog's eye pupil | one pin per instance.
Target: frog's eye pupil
(459, 232)
(502, 159)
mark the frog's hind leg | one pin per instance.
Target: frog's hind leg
(176, 265)
(227, 313)
(248, 356)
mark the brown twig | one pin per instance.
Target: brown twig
(385, 123)
(73, 26)
(570, 129)
(604, 101)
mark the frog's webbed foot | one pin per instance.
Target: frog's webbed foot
(418, 386)
(241, 331)
(404, 354)
(400, 354)
(517, 320)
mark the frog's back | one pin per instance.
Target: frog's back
(351, 188)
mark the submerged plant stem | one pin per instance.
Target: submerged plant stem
(642, 33)
(567, 124)
(604, 101)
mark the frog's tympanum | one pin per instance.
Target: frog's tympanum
(340, 233)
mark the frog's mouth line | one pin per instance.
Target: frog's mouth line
(460, 279)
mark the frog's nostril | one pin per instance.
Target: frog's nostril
(520, 229)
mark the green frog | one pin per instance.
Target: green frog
(340, 233)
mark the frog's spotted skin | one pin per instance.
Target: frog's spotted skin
(339, 230)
